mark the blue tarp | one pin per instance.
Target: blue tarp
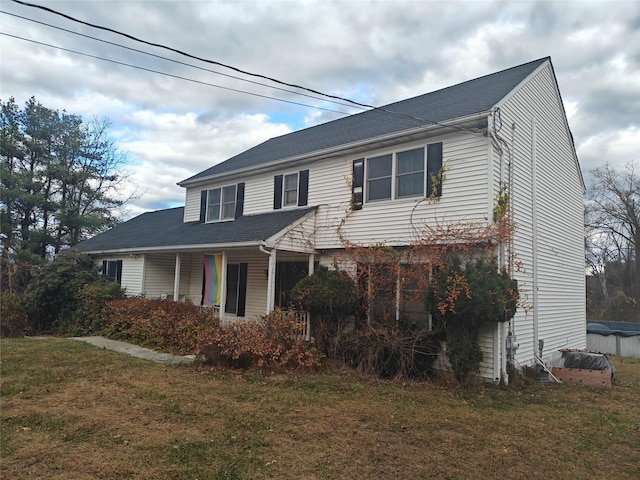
(624, 329)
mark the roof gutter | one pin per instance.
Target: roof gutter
(346, 148)
(177, 248)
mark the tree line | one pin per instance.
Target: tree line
(612, 244)
(61, 181)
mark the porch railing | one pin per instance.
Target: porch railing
(303, 325)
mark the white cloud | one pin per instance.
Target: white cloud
(615, 147)
(170, 147)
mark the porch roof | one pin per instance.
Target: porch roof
(166, 229)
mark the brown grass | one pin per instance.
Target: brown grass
(72, 411)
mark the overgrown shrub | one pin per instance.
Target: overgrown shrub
(91, 314)
(391, 352)
(165, 325)
(329, 296)
(464, 298)
(54, 291)
(271, 343)
(13, 316)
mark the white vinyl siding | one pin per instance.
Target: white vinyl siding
(160, 275)
(133, 274)
(559, 298)
(192, 205)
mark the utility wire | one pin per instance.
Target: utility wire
(244, 72)
(180, 52)
(172, 75)
(176, 61)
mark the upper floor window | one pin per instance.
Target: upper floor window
(223, 203)
(291, 190)
(290, 193)
(409, 173)
(379, 171)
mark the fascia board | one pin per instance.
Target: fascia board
(174, 249)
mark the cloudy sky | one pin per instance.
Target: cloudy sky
(374, 52)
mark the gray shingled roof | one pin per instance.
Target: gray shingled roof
(474, 96)
(165, 228)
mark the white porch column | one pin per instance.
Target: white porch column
(223, 286)
(311, 263)
(271, 281)
(176, 279)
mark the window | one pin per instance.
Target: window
(228, 202)
(379, 178)
(112, 269)
(410, 173)
(291, 190)
(413, 283)
(394, 292)
(236, 289)
(221, 203)
(404, 174)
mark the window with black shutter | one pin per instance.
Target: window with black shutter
(291, 190)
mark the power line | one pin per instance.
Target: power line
(173, 60)
(195, 57)
(244, 72)
(172, 75)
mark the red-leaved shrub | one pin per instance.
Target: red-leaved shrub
(165, 325)
(270, 343)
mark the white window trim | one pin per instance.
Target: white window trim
(394, 174)
(284, 190)
(222, 203)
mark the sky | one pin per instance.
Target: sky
(373, 52)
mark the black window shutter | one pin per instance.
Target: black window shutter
(239, 200)
(203, 206)
(104, 267)
(303, 188)
(357, 183)
(277, 192)
(119, 271)
(434, 164)
(242, 290)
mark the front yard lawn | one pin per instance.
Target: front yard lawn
(69, 410)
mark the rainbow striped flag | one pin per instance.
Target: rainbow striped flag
(212, 279)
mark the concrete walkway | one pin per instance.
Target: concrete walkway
(135, 351)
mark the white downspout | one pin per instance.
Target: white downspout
(176, 279)
(271, 274)
(534, 234)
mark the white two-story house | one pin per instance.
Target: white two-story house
(255, 224)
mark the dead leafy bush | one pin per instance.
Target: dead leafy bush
(161, 324)
(391, 352)
(270, 343)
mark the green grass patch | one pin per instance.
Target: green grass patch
(70, 410)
